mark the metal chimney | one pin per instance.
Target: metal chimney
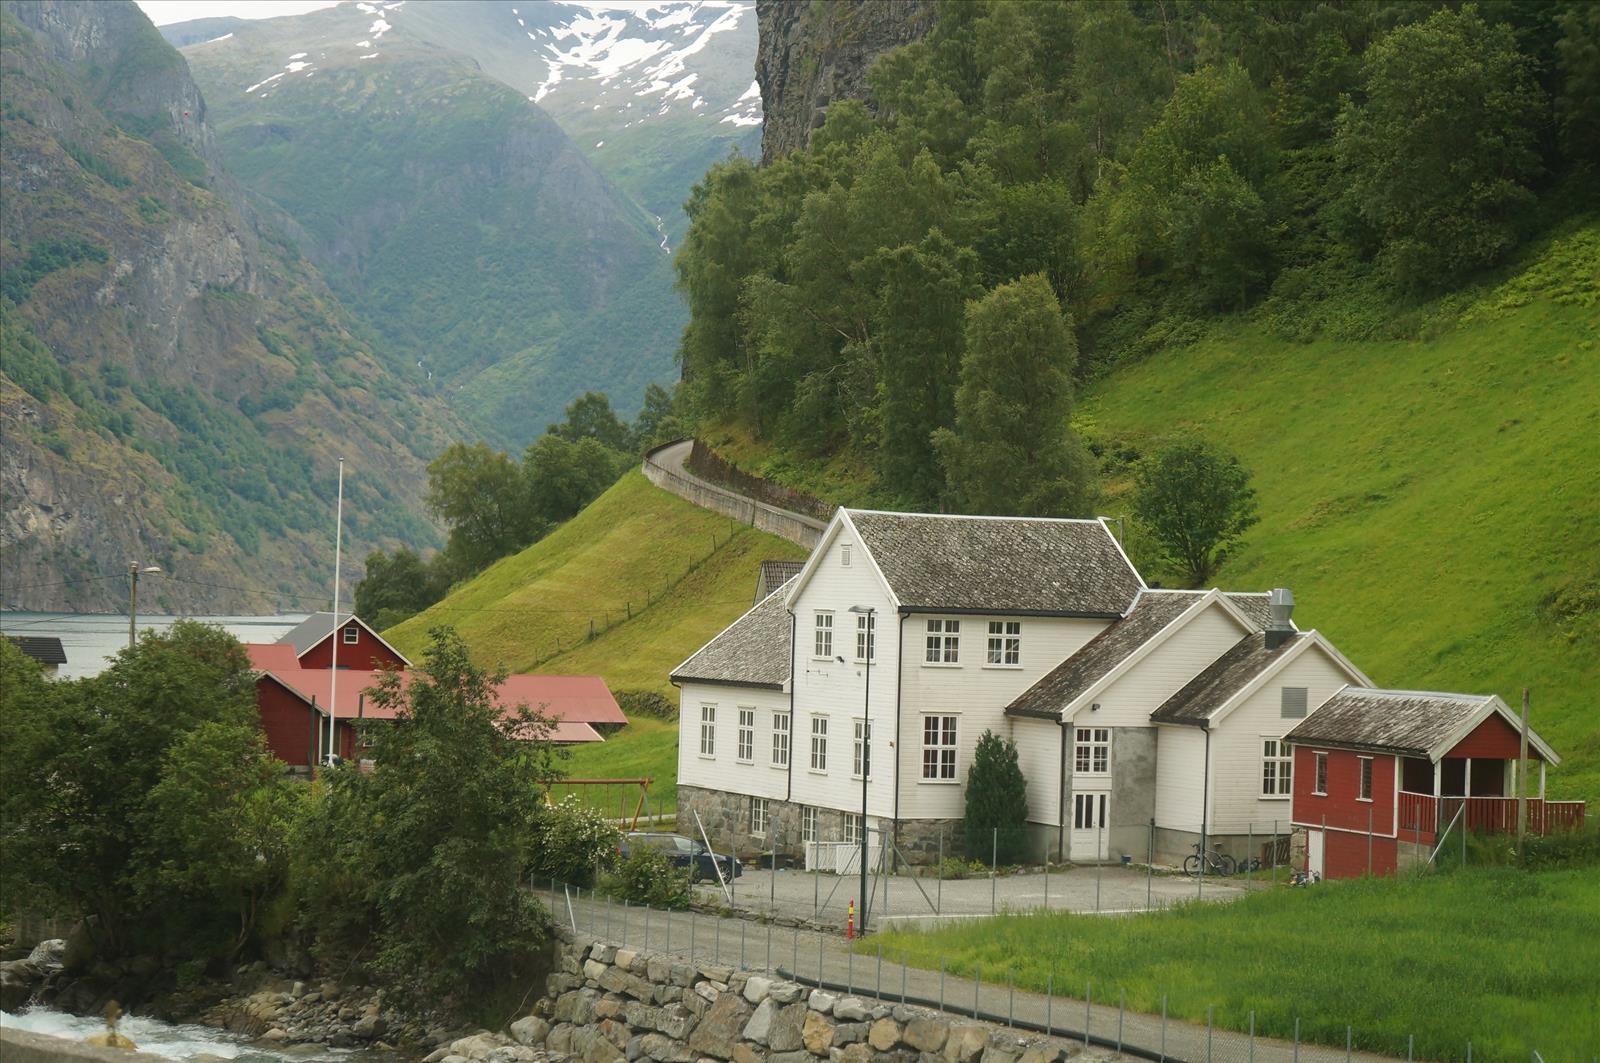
(1281, 608)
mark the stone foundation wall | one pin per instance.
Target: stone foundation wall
(608, 1005)
(726, 818)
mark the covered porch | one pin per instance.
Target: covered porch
(1483, 791)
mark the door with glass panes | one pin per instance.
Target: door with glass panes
(1091, 793)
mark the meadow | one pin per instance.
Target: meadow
(1505, 958)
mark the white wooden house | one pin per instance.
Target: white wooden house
(1131, 707)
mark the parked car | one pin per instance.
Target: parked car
(683, 852)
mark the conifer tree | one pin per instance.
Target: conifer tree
(997, 802)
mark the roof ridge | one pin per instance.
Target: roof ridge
(970, 516)
(1397, 693)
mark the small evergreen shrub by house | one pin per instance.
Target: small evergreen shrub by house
(997, 803)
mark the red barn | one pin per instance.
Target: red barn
(1380, 775)
(360, 648)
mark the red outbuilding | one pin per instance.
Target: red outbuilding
(359, 647)
(1381, 775)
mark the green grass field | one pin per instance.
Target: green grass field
(682, 572)
(1505, 958)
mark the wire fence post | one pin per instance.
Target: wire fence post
(624, 922)
(1149, 863)
(1049, 1003)
(1047, 874)
(647, 928)
(691, 936)
(902, 978)
(1272, 857)
(877, 990)
(1208, 1017)
(941, 983)
(994, 869)
(1088, 1004)
(1011, 1000)
(977, 987)
(938, 897)
(849, 965)
(1297, 1039)
(1349, 1042)
(1369, 841)
(1252, 1036)
(1122, 1011)
(1099, 858)
(1163, 1028)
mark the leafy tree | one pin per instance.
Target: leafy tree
(1442, 154)
(1578, 104)
(444, 830)
(483, 497)
(589, 416)
(997, 802)
(1197, 502)
(564, 476)
(658, 421)
(394, 587)
(1012, 451)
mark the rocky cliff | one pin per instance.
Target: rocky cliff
(176, 380)
(812, 54)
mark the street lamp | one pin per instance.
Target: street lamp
(134, 572)
(866, 744)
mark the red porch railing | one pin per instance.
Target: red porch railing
(1423, 815)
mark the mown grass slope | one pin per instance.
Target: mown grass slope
(1435, 503)
(1507, 959)
(682, 572)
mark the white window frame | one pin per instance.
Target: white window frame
(760, 817)
(819, 744)
(808, 824)
(780, 739)
(844, 555)
(1091, 751)
(1319, 775)
(822, 635)
(1005, 644)
(855, 826)
(866, 637)
(942, 643)
(1277, 769)
(860, 750)
(708, 731)
(745, 746)
(1364, 779)
(352, 634)
(945, 764)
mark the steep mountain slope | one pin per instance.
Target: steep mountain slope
(447, 210)
(177, 381)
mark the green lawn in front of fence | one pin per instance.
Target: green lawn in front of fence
(1505, 958)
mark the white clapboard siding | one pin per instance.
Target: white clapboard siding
(724, 770)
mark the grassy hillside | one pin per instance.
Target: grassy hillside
(697, 569)
(1433, 503)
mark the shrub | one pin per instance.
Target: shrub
(997, 802)
(571, 841)
(647, 703)
(647, 877)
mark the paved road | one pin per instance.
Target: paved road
(911, 900)
(816, 956)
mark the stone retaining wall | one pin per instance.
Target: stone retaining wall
(607, 1004)
(796, 527)
(726, 816)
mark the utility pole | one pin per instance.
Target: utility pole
(1522, 775)
(338, 634)
(134, 572)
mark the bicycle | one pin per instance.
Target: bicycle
(1215, 863)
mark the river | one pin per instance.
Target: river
(90, 639)
(178, 1042)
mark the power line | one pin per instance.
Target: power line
(65, 582)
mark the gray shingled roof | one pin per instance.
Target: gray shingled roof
(1152, 611)
(1225, 677)
(1410, 722)
(775, 574)
(310, 631)
(999, 564)
(46, 649)
(753, 651)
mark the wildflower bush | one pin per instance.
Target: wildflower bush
(648, 877)
(572, 842)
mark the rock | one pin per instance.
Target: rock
(823, 1001)
(760, 1022)
(965, 1042)
(369, 1027)
(787, 1023)
(625, 959)
(278, 1033)
(330, 991)
(559, 1040)
(716, 973)
(1040, 1053)
(436, 1056)
(884, 1035)
(80, 950)
(849, 1033)
(787, 992)
(593, 969)
(926, 1034)
(817, 1033)
(297, 990)
(856, 1053)
(478, 1046)
(46, 954)
(18, 978)
(707, 991)
(529, 1030)
(675, 1021)
(756, 988)
(718, 1031)
(748, 1054)
(658, 969)
(850, 1009)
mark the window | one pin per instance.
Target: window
(759, 817)
(1322, 775)
(852, 828)
(1005, 642)
(746, 750)
(844, 555)
(808, 825)
(1277, 768)
(866, 636)
(1294, 703)
(780, 740)
(939, 748)
(352, 635)
(708, 730)
(1366, 779)
(944, 642)
(861, 760)
(1092, 753)
(823, 647)
(819, 743)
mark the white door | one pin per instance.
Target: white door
(1089, 826)
(1314, 852)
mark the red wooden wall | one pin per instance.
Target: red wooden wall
(286, 721)
(1342, 807)
(366, 654)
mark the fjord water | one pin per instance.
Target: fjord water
(90, 639)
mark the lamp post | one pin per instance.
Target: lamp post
(866, 744)
(134, 572)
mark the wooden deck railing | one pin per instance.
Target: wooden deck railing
(1424, 814)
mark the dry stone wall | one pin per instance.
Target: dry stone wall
(606, 1004)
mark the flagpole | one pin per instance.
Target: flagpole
(333, 680)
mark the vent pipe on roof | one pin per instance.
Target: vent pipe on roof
(1281, 608)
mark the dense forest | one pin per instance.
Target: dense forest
(1036, 193)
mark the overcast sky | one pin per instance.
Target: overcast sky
(161, 12)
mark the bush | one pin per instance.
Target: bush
(647, 703)
(997, 802)
(571, 841)
(648, 877)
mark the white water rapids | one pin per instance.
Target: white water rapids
(180, 1043)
